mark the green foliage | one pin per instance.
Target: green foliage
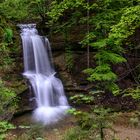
(97, 118)
(75, 134)
(134, 93)
(111, 86)
(75, 112)
(35, 133)
(126, 27)
(5, 55)
(102, 77)
(8, 100)
(4, 126)
(57, 9)
(88, 38)
(99, 44)
(38, 9)
(135, 120)
(103, 73)
(91, 124)
(111, 22)
(8, 45)
(109, 57)
(8, 35)
(27, 9)
(81, 98)
(18, 12)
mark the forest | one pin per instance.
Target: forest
(95, 47)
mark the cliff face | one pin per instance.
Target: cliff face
(74, 80)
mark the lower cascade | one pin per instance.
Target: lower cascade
(38, 69)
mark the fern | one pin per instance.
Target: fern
(110, 76)
(101, 73)
(107, 57)
(99, 44)
(104, 77)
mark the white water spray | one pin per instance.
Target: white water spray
(49, 92)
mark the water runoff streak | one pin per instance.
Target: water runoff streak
(48, 89)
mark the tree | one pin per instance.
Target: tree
(111, 23)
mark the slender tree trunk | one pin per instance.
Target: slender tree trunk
(88, 50)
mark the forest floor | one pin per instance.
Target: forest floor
(124, 129)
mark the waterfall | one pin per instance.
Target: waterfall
(38, 69)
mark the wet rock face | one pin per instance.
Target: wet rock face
(26, 102)
(75, 76)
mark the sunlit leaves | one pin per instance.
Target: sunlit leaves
(58, 9)
(101, 73)
(129, 22)
(99, 44)
(8, 35)
(109, 57)
(15, 9)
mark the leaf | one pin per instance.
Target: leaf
(99, 44)
(109, 76)
(107, 56)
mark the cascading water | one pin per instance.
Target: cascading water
(49, 92)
